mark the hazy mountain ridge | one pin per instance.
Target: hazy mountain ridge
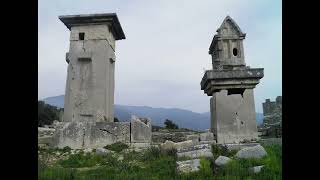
(183, 118)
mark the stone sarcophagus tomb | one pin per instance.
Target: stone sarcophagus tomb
(89, 96)
(231, 84)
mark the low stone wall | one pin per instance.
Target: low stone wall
(78, 135)
(81, 135)
(161, 137)
(271, 141)
(45, 131)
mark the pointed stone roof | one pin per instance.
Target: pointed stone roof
(228, 29)
(230, 25)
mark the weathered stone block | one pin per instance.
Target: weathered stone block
(256, 169)
(194, 147)
(252, 152)
(102, 151)
(80, 135)
(233, 117)
(184, 144)
(45, 131)
(196, 153)
(237, 147)
(188, 166)
(168, 145)
(207, 136)
(141, 130)
(194, 137)
(222, 160)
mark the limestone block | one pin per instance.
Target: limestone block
(195, 147)
(168, 145)
(188, 166)
(196, 153)
(238, 147)
(80, 135)
(252, 152)
(234, 118)
(194, 137)
(141, 130)
(104, 133)
(71, 134)
(222, 160)
(45, 140)
(207, 136)
(45, 131)
(184, 144)
(102, 151)
(208, 142)
(256, 169)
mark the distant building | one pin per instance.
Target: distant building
(272, 111)
(272, 121)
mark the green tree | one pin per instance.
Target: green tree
(47, 113)
(170, 125)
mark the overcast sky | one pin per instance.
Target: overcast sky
(161, 61)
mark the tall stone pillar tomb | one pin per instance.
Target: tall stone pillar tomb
(89, 94)
(230, 84)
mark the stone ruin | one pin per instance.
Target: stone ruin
(88, 120)
(272, 111)
(231, 84)
(272, 120)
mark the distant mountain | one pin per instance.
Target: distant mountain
(183, 118)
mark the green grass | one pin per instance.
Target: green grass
(272, 166)
(157, 164)
(81, 160)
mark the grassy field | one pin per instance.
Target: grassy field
(151, 164)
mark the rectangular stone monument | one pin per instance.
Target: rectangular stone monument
(231, 84)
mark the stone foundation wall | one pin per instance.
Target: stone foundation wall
(161, 137)
(81, 135)
(78, 135)
(42, 132)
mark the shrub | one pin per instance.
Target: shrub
(56, 173)
(66, 149)
(117, 147)
(170, 125)
(222, 151)
(81, 160)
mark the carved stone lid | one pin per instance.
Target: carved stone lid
(93, 19)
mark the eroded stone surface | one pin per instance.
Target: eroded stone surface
(196, 153)
(207, 136)
(239, 146)
(256, 169)
(252, 152)
(168, 145)
(91, 58)
(141, 130)
(102, 151)
(188, 166)
(222, 160)
(79, 135)
(194, 137)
